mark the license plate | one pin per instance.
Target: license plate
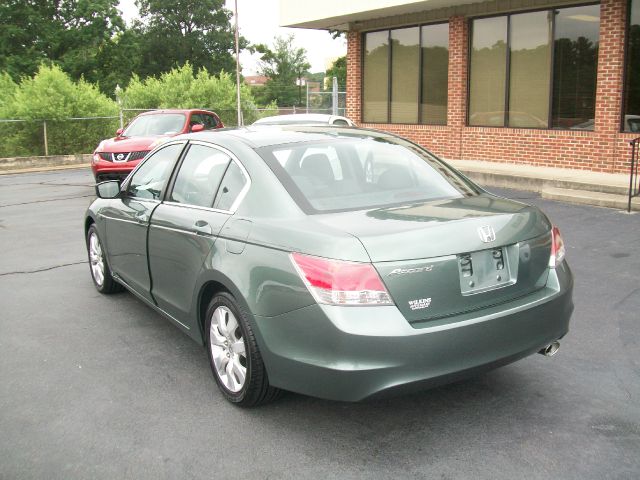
(484, 270)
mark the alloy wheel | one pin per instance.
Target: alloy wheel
(228, 349)
(96, 259)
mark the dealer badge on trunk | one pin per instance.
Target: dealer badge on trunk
(487, 234)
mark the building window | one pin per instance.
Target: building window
(632, 83)
(375, 93)
(535, 70)
(435, 74)
(405, 77)
(405, 74)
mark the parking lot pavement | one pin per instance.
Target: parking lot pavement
(101, 387)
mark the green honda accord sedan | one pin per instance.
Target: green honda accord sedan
(340, 263)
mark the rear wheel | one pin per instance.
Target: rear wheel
(100, 271)
(234, 356)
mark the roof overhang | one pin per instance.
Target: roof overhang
(343, 15)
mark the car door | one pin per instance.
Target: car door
(185, 227)
(127, 223)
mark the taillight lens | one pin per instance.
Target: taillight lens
(557, 248)
(336, 282)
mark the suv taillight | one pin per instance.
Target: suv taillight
(557, 248)
(337, 282)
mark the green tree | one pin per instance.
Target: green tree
(52, 96)
(69, 33)
(284, 65)
(338, 70)
(177, 32)
(7, 89)
(180, 88)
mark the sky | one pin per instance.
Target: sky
(259, 23)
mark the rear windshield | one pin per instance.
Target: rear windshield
(158, 124)
(362, 173)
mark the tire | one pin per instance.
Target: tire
(234, 357)
(98, 266)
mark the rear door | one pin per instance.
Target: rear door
(185, 227)
(128, 221)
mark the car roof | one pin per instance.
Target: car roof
(175, 110)
(257, 136)
(300, 118)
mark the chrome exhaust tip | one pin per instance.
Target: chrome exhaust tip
(551, 349)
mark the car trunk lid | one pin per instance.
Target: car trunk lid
(448, 257)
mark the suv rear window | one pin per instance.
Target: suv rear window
(357, 174)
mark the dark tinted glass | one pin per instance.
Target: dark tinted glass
(232, 185)
(487, 78)
(577, 34)
(435, 73)
(354, 174)
(375, 77)
(529, 74)
(632, 86)
(151, 177)
(405, 75)
(199, 176)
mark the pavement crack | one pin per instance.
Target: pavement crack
(45, 269)
(45, 201)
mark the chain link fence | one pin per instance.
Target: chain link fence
(30, 138)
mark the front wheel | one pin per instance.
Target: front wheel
(100, 271)
(234, 356)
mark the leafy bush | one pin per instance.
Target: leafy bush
(180, 88)
(53, 96)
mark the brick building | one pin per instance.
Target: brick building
(550, 83)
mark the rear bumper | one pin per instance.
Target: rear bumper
(352, 353)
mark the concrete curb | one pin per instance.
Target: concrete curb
(18, 164)
(45, 169)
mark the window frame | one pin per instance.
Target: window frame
(625, 70)
(470, 21)
(390, 77)
(126, 184)
(233, 158)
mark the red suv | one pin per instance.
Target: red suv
(116, 157)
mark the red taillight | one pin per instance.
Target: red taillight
(557, 248)
(337, 282)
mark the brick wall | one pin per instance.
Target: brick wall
(604, 149)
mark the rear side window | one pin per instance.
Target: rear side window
(209, 121)
(233, 183)
(150, 178)
(361, 173)
(199, 176)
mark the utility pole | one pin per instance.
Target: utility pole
(118, 93)
(238, 67)
(307, 104)
(334, 97)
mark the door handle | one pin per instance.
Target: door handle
(203, 228)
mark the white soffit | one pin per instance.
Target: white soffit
(338, 14)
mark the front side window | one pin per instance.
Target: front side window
(405, 75)
(356, 174)
(535, 70)
(199, 176)
(149, 179)
(631, 120)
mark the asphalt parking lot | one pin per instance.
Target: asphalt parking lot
(93, 386)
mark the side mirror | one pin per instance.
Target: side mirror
(198, 127)
(119, 132)
(108, 189)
